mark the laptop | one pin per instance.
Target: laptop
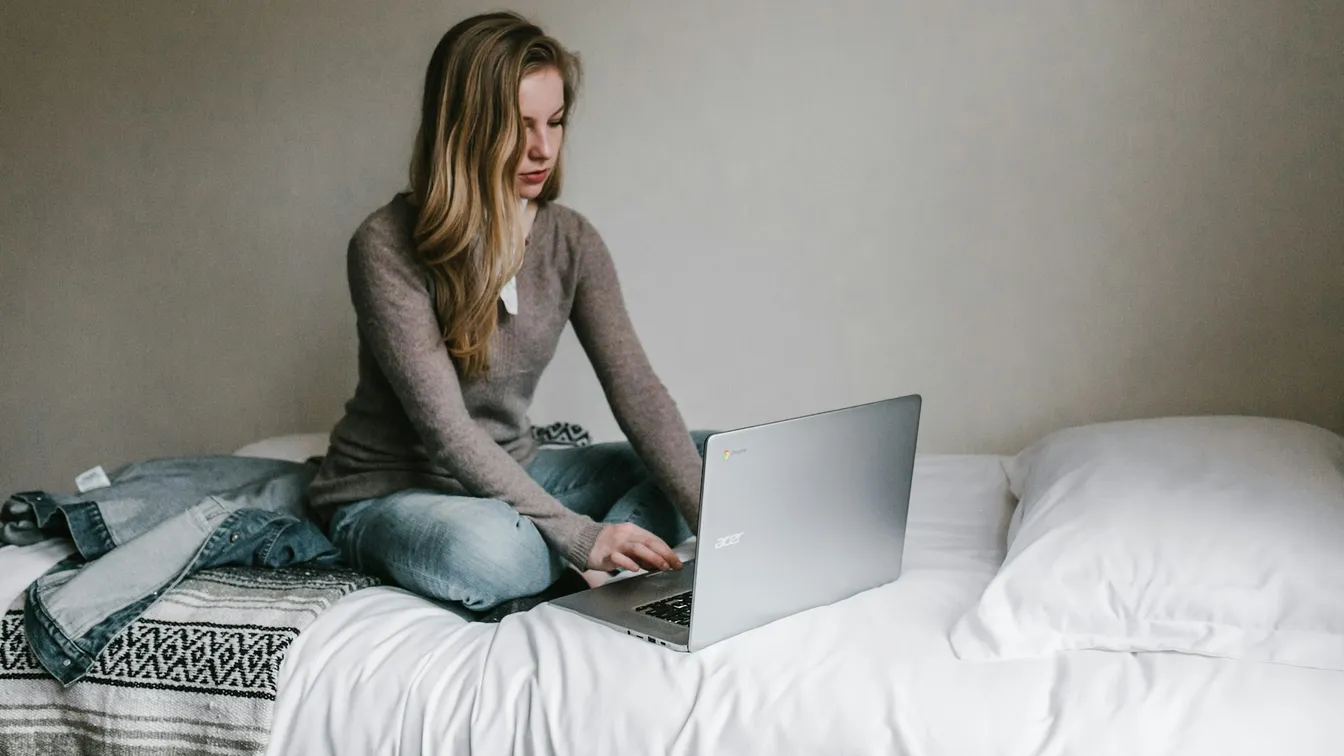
(793, 515)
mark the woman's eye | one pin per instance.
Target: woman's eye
(556, 124)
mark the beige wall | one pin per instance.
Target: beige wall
(1035, 214)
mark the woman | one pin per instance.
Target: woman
(461, 288)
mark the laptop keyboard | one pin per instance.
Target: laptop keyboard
(675, 609)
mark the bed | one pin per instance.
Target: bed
(384, 671)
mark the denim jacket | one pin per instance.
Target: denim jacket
(158, 522)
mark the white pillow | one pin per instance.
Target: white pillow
(1219, 536)
(297, 447)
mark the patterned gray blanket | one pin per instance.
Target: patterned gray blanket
(196, 674)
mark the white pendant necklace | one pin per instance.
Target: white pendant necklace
(509, 294)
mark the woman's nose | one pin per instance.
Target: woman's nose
(538, 145)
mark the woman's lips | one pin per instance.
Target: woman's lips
(535, 177)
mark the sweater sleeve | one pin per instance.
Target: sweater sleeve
(641, 403)
(395, 314)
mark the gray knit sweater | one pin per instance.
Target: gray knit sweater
(414, 423)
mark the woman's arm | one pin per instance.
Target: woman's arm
(638, 399)
(395, 315)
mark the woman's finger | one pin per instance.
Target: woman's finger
(624, 562)
(661, 548)
(648, 556)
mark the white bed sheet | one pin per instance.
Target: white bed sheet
(387, 672)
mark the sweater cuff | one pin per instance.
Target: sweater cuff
(581, 545)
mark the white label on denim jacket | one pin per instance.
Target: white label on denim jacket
(91, 480)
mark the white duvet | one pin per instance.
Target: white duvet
(384, 672)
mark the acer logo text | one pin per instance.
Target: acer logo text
(730, 540)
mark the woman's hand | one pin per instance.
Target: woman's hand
(631, 547)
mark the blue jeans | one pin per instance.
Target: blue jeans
(481, 552)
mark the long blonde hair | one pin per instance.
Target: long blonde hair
(467, 151)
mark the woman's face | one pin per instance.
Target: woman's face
(541, 100)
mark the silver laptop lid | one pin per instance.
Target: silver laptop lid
(801, 513)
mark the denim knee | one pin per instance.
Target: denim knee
(476, 552)
(488, 564)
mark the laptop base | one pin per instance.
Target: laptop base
(613, 605)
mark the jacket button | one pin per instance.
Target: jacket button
(233, 538)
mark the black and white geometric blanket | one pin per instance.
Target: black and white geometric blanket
(561, 434)
(195, 674)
